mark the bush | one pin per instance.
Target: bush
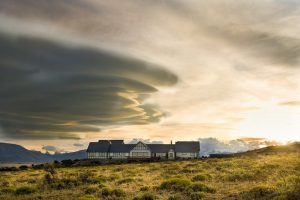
(65, 183)
(23, 167)
(101, 185)
(50, 169)
(25, 190)
(113, 177)
(200, 187)
(91, 190)
(199, 177)
(146, 196)
(176, 184)
(144, 188)
(7, 190)
(175, 197)
(67, 163)
(125, 180)
(88, 197)
(197, 195)
(295, 192)
(88, 177)
(107, 192)
(48, 178)
(259, 192)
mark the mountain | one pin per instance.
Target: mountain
(12, 153)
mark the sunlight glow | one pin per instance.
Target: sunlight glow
(273, 122)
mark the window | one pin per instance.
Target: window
(94, 155)
(140, 154)
(119, 155)
(140, 146)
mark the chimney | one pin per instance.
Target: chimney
(171, 142)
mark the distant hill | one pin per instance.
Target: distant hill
(293, 147)
(12, 153)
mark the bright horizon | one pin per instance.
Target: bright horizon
(76, 72)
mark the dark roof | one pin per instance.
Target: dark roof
(121, 148)
(187, 147)
(117, 141)
(100, 146)
(160, 148)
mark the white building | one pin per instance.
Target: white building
(117, 149)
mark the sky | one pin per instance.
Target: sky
(75, 71)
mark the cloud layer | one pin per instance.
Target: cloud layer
(49, 90)
(237, 61)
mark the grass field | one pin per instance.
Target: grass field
(271, 173)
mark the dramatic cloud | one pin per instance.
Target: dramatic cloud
(290, 103)
(72, 69)
(50, 148)
(78, 145)
(49, 90)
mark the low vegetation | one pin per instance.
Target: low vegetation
(272, 173)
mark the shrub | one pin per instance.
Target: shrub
(7, 190)
(101, 185)
(197, 195)
(31, 181)
(25, 190)
(65, 183)
(88, 177)
(48, 178)
(144, 188)
(176, 184)
(113, 177)
(23, 167)
(199, 177)
(118, 192)
(4, 184)
(175, 197)
(50, 169)
(200, 187)
(146, 196)
(259, 192)
(91, 190)
(125, 180)
(88, 197)
(50, 174)
(106, 192)
(295, 192)
(67, 163)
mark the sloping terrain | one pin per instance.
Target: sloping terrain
(12, 153)
(268, 173)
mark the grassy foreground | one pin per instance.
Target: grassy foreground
(271, 173)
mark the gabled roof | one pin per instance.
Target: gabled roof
(160, 148)
(187, 146)
(116, 146)
(121, 148)
(117, 141)
(100, 146)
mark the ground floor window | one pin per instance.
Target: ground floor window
(140, 154)
(97, 155)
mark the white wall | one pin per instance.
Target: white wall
(161, 154)
(117, 155)
(186, 155)
(97, 155)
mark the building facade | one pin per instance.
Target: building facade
(117, 149)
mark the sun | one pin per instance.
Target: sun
(273, 122)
